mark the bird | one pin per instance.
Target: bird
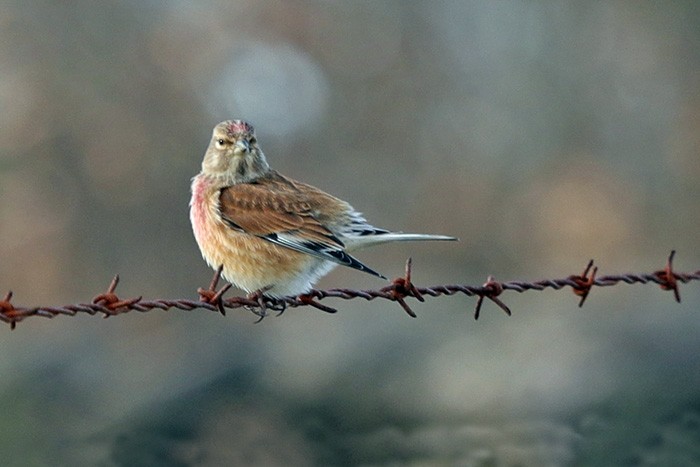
(271, 234)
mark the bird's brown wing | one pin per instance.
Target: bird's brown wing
(288, 214)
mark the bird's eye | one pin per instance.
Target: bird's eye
(220, 143)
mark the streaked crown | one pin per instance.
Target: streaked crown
(237, 128)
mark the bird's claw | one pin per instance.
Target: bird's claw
(262, 303)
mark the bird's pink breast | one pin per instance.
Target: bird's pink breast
(200, 209)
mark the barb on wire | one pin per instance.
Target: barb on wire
(584, 282)
(492, 289)
(109, 304)
(668, 278)
(211, 295)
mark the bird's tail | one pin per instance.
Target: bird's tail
(363, 241)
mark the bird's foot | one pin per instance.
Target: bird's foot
(263, 303)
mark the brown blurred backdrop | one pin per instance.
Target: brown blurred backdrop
(540, 133)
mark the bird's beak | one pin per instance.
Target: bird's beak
(242, 146)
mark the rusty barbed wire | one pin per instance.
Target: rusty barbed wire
(109, 304)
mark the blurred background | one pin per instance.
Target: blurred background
(542, 134)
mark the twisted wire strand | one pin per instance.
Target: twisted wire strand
(109, 304)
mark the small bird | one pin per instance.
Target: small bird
(273, 235)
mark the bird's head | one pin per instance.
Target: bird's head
(234, 154)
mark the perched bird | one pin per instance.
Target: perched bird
(272, 234)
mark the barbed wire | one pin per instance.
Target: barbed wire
(109, 304)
